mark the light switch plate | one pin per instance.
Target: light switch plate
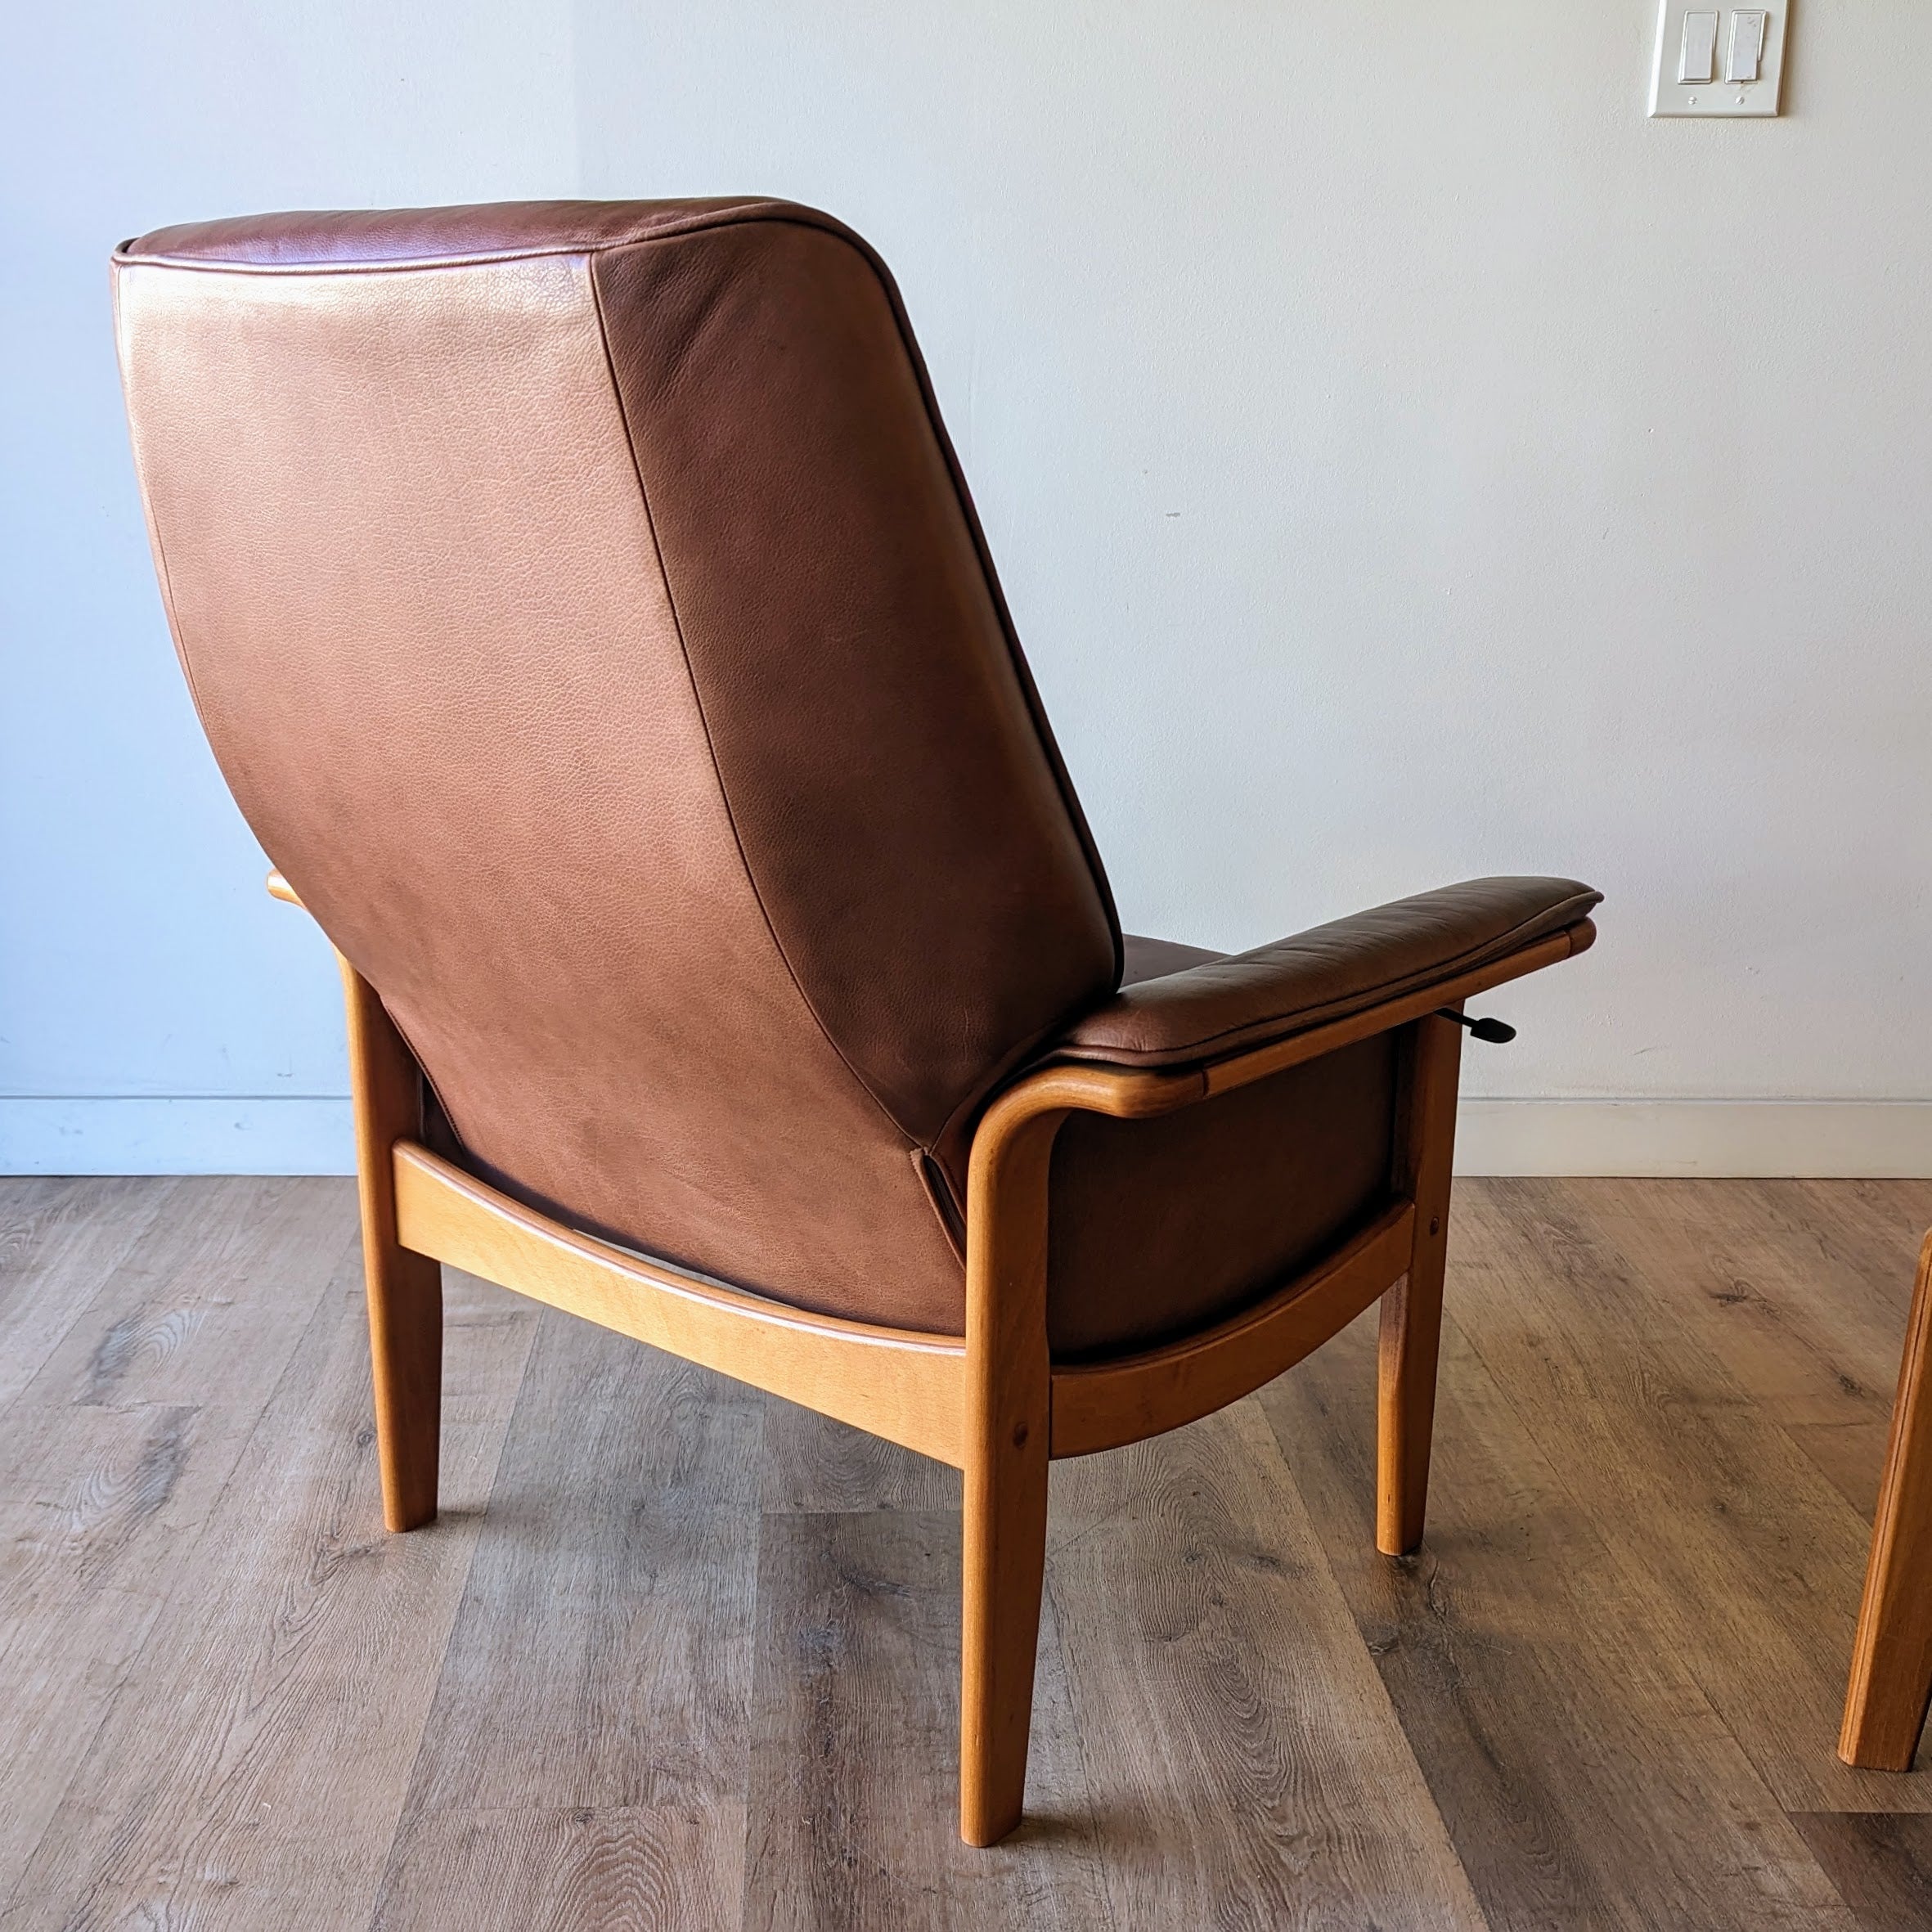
(1755, 100)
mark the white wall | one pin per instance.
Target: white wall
(1404, 461)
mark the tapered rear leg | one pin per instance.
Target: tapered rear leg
(1007, 1437)
(1411, 1310)
(1892, 1656)
(405, 1289)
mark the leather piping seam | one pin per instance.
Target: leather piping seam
(1284, 1026)
(720, 217)
(704, 722)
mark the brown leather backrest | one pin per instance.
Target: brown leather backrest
(585, 607)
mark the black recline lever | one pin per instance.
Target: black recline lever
(1496, 1033)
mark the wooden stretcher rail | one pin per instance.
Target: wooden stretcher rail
(908, 1387)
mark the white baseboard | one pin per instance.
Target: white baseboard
(195, 1134)
(1883, 1139)
(311, 1134)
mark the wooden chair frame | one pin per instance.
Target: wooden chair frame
(991, 1402)
(1891, 1687)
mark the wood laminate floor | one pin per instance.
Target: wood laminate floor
(675, 1655)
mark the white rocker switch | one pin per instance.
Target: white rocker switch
(1697, 60)
(1745, 53)
(1704, 63)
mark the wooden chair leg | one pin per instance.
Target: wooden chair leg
(1411, 1310)
(1008, 1435)
(1891, 1684)
(405, 1289)
(1005, 1568)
